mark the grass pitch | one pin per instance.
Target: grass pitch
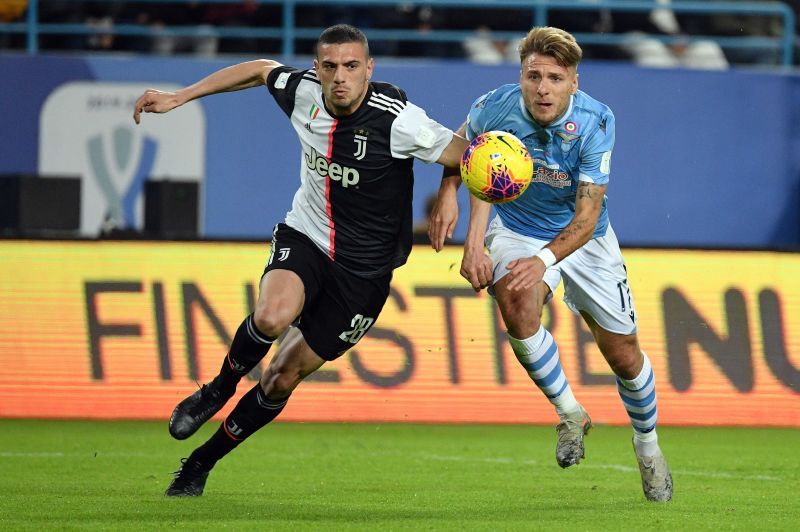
(111, 476)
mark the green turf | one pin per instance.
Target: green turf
(111, 475)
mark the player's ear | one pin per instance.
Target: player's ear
(574, 84)
(370, 68)
(316, 64)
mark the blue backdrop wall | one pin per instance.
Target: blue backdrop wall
(703, 159)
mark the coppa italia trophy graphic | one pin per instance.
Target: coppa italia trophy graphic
(86, 129)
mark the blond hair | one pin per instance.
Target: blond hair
(555, 42)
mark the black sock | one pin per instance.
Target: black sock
(247, 349)
(252, 412)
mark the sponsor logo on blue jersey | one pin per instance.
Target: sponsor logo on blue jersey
(550, 174)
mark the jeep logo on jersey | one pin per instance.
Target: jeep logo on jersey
(315, 161)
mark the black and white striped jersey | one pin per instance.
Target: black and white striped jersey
(356, 172)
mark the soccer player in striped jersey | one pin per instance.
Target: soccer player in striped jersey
(558, 229)
(331, 262)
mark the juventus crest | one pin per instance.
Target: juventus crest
(360, 138)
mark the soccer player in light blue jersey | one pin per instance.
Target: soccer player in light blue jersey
(558, 229)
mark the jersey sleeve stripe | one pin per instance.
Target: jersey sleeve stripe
(384, 108)
(385, 98)
(394, 105)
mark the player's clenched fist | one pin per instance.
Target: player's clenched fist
(154, 101)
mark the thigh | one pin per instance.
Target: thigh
(293, 274)
(596, 283)
(505, 246)
(343, 312)
(281, 292)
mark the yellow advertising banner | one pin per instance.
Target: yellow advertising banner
(126, 329)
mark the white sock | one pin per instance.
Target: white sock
(538, 354)
(639, 399)
(646, 444)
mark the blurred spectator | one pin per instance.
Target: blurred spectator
(423, 19)
(100, 40)
(747, 25)
(650, 52)
(197, 24)
(241, 13)
(484, 49)
(98, 16)
(175, 15)
(587, 21)
(12, 11)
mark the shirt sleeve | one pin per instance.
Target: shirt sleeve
(282, 83)
(416, 135)
(595, 166)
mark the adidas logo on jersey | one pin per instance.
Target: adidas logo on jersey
(348, 176)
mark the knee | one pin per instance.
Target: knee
(522, 322)
(522, 330)
(522, 311)
(272, 321)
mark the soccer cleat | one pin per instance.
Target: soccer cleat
(569, 449)
(656, 478)
(189, 481)
(192, 412)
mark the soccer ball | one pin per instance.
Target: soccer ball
(496, 167)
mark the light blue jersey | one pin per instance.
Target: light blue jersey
(576, 147)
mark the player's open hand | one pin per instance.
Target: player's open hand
(154, 101)
(476, 267)
(525, 273)
(442, 221)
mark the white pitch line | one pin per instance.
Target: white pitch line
(615, 467)
(11, 454)
(685, 472)
(99, 454)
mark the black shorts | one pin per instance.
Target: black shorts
(340, 307)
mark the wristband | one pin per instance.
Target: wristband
(547, 257)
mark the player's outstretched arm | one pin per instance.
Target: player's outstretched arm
(476, 266)
(451, 156)
(524, 273)
(444, 215)
(232, 78)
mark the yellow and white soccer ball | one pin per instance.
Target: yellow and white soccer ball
(496, 167)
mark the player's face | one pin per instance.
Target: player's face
(344, 71)
(546, 87)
